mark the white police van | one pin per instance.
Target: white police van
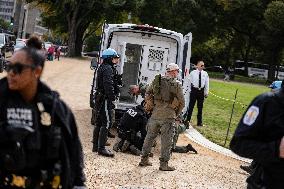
(145, 51)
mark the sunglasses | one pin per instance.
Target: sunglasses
(17, 68)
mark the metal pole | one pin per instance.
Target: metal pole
(232, 112)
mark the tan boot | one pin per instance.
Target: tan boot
(107, 143)
(145, 162)
(165, 167)
(125, 146)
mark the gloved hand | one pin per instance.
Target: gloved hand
(79, 187)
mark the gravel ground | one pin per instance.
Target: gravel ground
(207, 169)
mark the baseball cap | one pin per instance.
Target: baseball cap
(172, 67)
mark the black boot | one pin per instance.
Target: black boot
(189, 147)
(180, 149)
(95, 138)
(135, 151)
(105, 152)
(102, 141)
(247, 168)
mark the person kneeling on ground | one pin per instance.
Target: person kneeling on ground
(180, 128)
(132, 131)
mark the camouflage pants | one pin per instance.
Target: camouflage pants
(166, 127)
(179, 128)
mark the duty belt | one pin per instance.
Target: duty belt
(27, 181)
(197, 88)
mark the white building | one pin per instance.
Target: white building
(7, 8)
(26, 18)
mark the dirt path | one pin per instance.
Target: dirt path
(72, 78)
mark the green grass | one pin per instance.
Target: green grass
(217, 112)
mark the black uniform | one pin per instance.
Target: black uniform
(258, 137)
(106, 93)
(38, 141)
(132, 126)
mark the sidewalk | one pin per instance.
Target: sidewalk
(196, 137)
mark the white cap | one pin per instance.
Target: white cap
(172, 67)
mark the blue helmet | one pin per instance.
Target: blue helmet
(109, 53)
(276, 85)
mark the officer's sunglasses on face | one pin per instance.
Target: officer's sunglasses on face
(18, 68)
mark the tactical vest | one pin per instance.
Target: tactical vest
(25, 148)
(164, 88)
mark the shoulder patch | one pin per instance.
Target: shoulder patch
(251, 115)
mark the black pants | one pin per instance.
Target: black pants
(102, 125)
(196, 95)
(131, 137)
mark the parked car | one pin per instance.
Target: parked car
(7, 42)
(21, 40)
(19, 45)
(91, 54)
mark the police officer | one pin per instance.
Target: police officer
(260, 136)
(39, 143)
(166, 90)
(132, 131)
(106, 94)
(199, 81)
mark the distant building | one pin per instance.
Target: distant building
(26, 18)
(7, 9)
(27, 21)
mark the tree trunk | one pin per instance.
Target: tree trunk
(79, 42)
(76, 34)
(246, 58)
(72, 42)
(271, 73)
(273, 59)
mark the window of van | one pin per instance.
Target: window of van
(2, 38)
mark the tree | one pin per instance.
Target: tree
(243, 19)
(184, 16)
(3, 24)
(74, 16)
(273, 36)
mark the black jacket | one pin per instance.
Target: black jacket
(105, 81)
(134, 119)
(13, 110)
(258, 137)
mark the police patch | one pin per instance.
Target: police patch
(251, 115)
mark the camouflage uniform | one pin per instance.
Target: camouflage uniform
(179, 128)
(163, 116)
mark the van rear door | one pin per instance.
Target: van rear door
(186, 69)
(131, 68)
